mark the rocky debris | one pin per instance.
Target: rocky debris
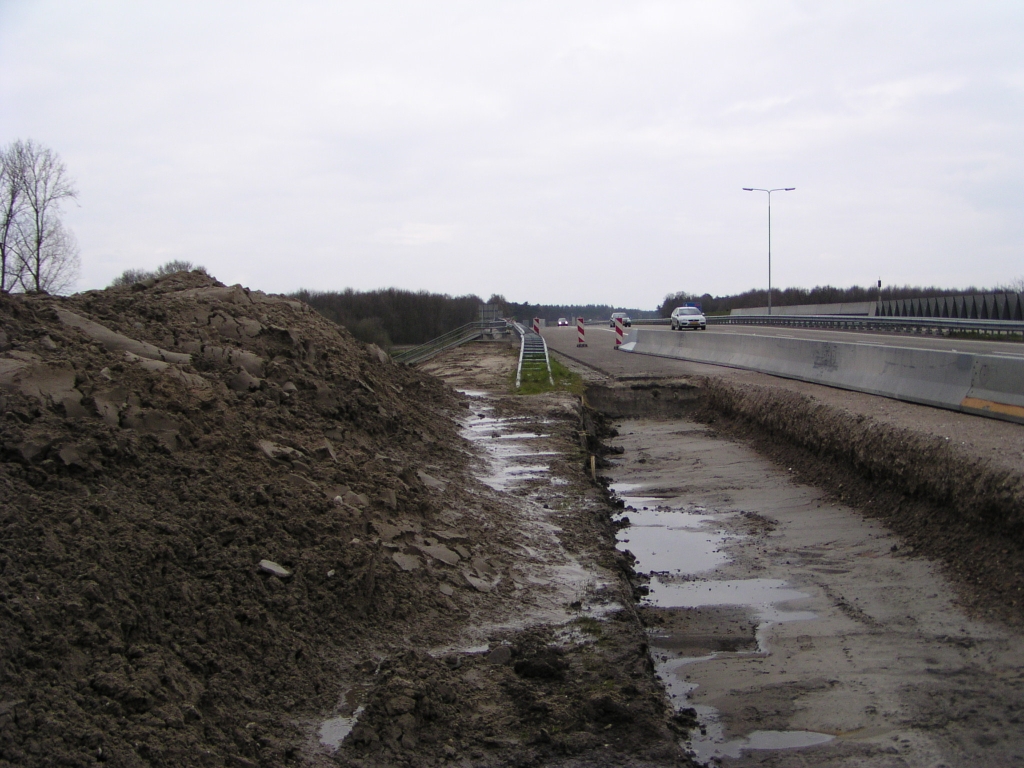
(441, 552)
(431, 482)
(115, 341)
(588, 700)
(406, 561)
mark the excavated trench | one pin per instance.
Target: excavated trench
(819, 589)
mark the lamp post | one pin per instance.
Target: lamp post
(769, 191)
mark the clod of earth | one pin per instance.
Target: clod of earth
(274, 569)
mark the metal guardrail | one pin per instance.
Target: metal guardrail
(533, 354)
(854, 322)
(462, 335)
(870, 323)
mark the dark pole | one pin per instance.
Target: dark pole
(769, 191)
(769, 251)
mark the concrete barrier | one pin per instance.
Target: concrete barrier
(987, 385)
(845, 308)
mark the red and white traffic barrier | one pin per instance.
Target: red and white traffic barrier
(536, 325)
(580, 341)
(618, 331)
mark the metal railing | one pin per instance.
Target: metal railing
(533, 354)
(466, 333)
(868, 323)
(936, 325)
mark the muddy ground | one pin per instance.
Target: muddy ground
(904, 543)
(805, 631)
(234, 536)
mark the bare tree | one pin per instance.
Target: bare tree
(46, 252)
(49, 263)
(12, 206)
(1014, 286)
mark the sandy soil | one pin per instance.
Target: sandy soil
(951, 484)
(857, 639)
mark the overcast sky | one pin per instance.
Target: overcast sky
(553, 152)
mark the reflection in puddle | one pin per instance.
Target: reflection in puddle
(664, 541)
(669, 544)
(517, 457)
(706, 748)
(511, 460)
(508, 476)
(760, 595)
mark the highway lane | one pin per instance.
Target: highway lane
(912, 341)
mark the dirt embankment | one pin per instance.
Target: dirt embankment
(962, 509)
(225, 521)
(158, 445)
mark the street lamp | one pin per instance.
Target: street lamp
(769, 191)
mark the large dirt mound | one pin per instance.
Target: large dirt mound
(188, 472)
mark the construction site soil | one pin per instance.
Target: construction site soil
(963, 507)
(233, 535)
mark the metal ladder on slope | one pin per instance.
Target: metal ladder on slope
(533, 354)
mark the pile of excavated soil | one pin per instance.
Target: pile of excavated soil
(188, 475)
(225, 521)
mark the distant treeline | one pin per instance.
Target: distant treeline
(392, 316)
(822, 294)
(525, 311)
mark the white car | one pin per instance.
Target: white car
(688, 317)
(563, 321)
(626, 322)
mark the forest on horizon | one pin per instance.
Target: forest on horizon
(392, 316)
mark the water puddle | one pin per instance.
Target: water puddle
(667, 542)
(512, 460)
(759, 595)
(673, 546)
(517, 455)
(710, 742)
(706, 748)
(332, 732)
